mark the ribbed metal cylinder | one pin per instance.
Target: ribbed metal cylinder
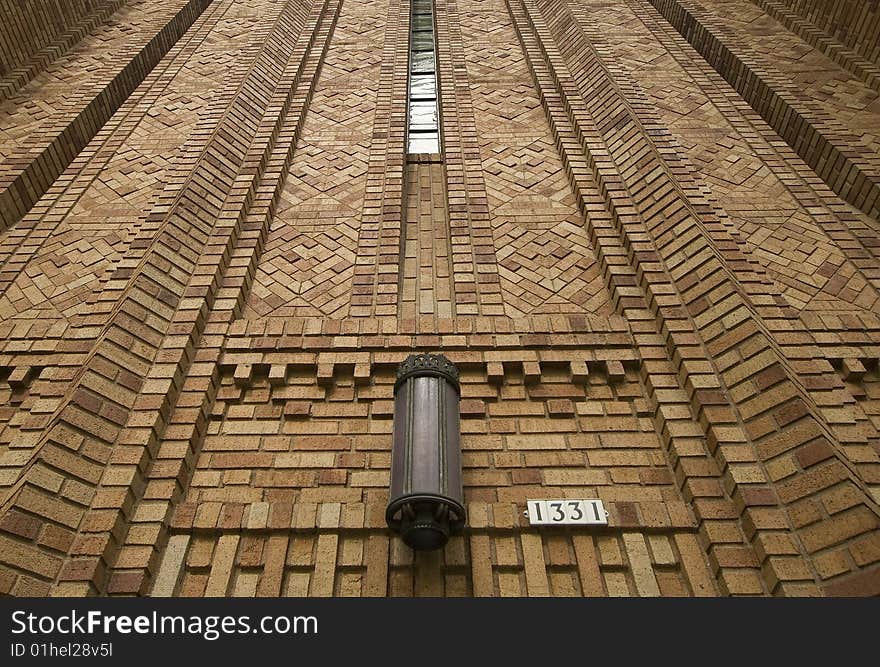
(426, 498)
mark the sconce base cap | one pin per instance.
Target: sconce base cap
(425, 523)
(424, 534)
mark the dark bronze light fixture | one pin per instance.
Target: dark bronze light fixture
(425, 505)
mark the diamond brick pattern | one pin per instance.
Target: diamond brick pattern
(809, 28)
(26, 53)
(307, 266)
(855, 24)
(622, 124)
(181, 224)
(61, 271)
(546, 262)
(837, 92)
(26, 115)
(804, 108)
(51, 121)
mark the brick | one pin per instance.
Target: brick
(860, 584)
(866, 550)
(640, 563)
(170, 567)
(535, 568)
(221, 568)
(810, 482)
(28, 558)
(694, 565)
(21, 524)
(838, 528)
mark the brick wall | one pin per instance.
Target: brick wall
(650, 245)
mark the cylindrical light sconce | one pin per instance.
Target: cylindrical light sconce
(426, 499)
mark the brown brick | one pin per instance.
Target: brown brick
(20, 524)
(839, 528)
(864, 583)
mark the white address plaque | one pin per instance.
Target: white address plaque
(566, 512)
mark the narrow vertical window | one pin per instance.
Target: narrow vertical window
(423, 134)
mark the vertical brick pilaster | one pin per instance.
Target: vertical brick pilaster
(162, 309)
(35, 163)
(377, 266)
(476, 283)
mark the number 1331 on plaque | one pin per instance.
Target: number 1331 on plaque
(566, 512)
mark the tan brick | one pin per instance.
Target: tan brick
(838, 528)
(28, 558)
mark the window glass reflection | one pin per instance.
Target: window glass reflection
(423, 122)
(422, 87)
